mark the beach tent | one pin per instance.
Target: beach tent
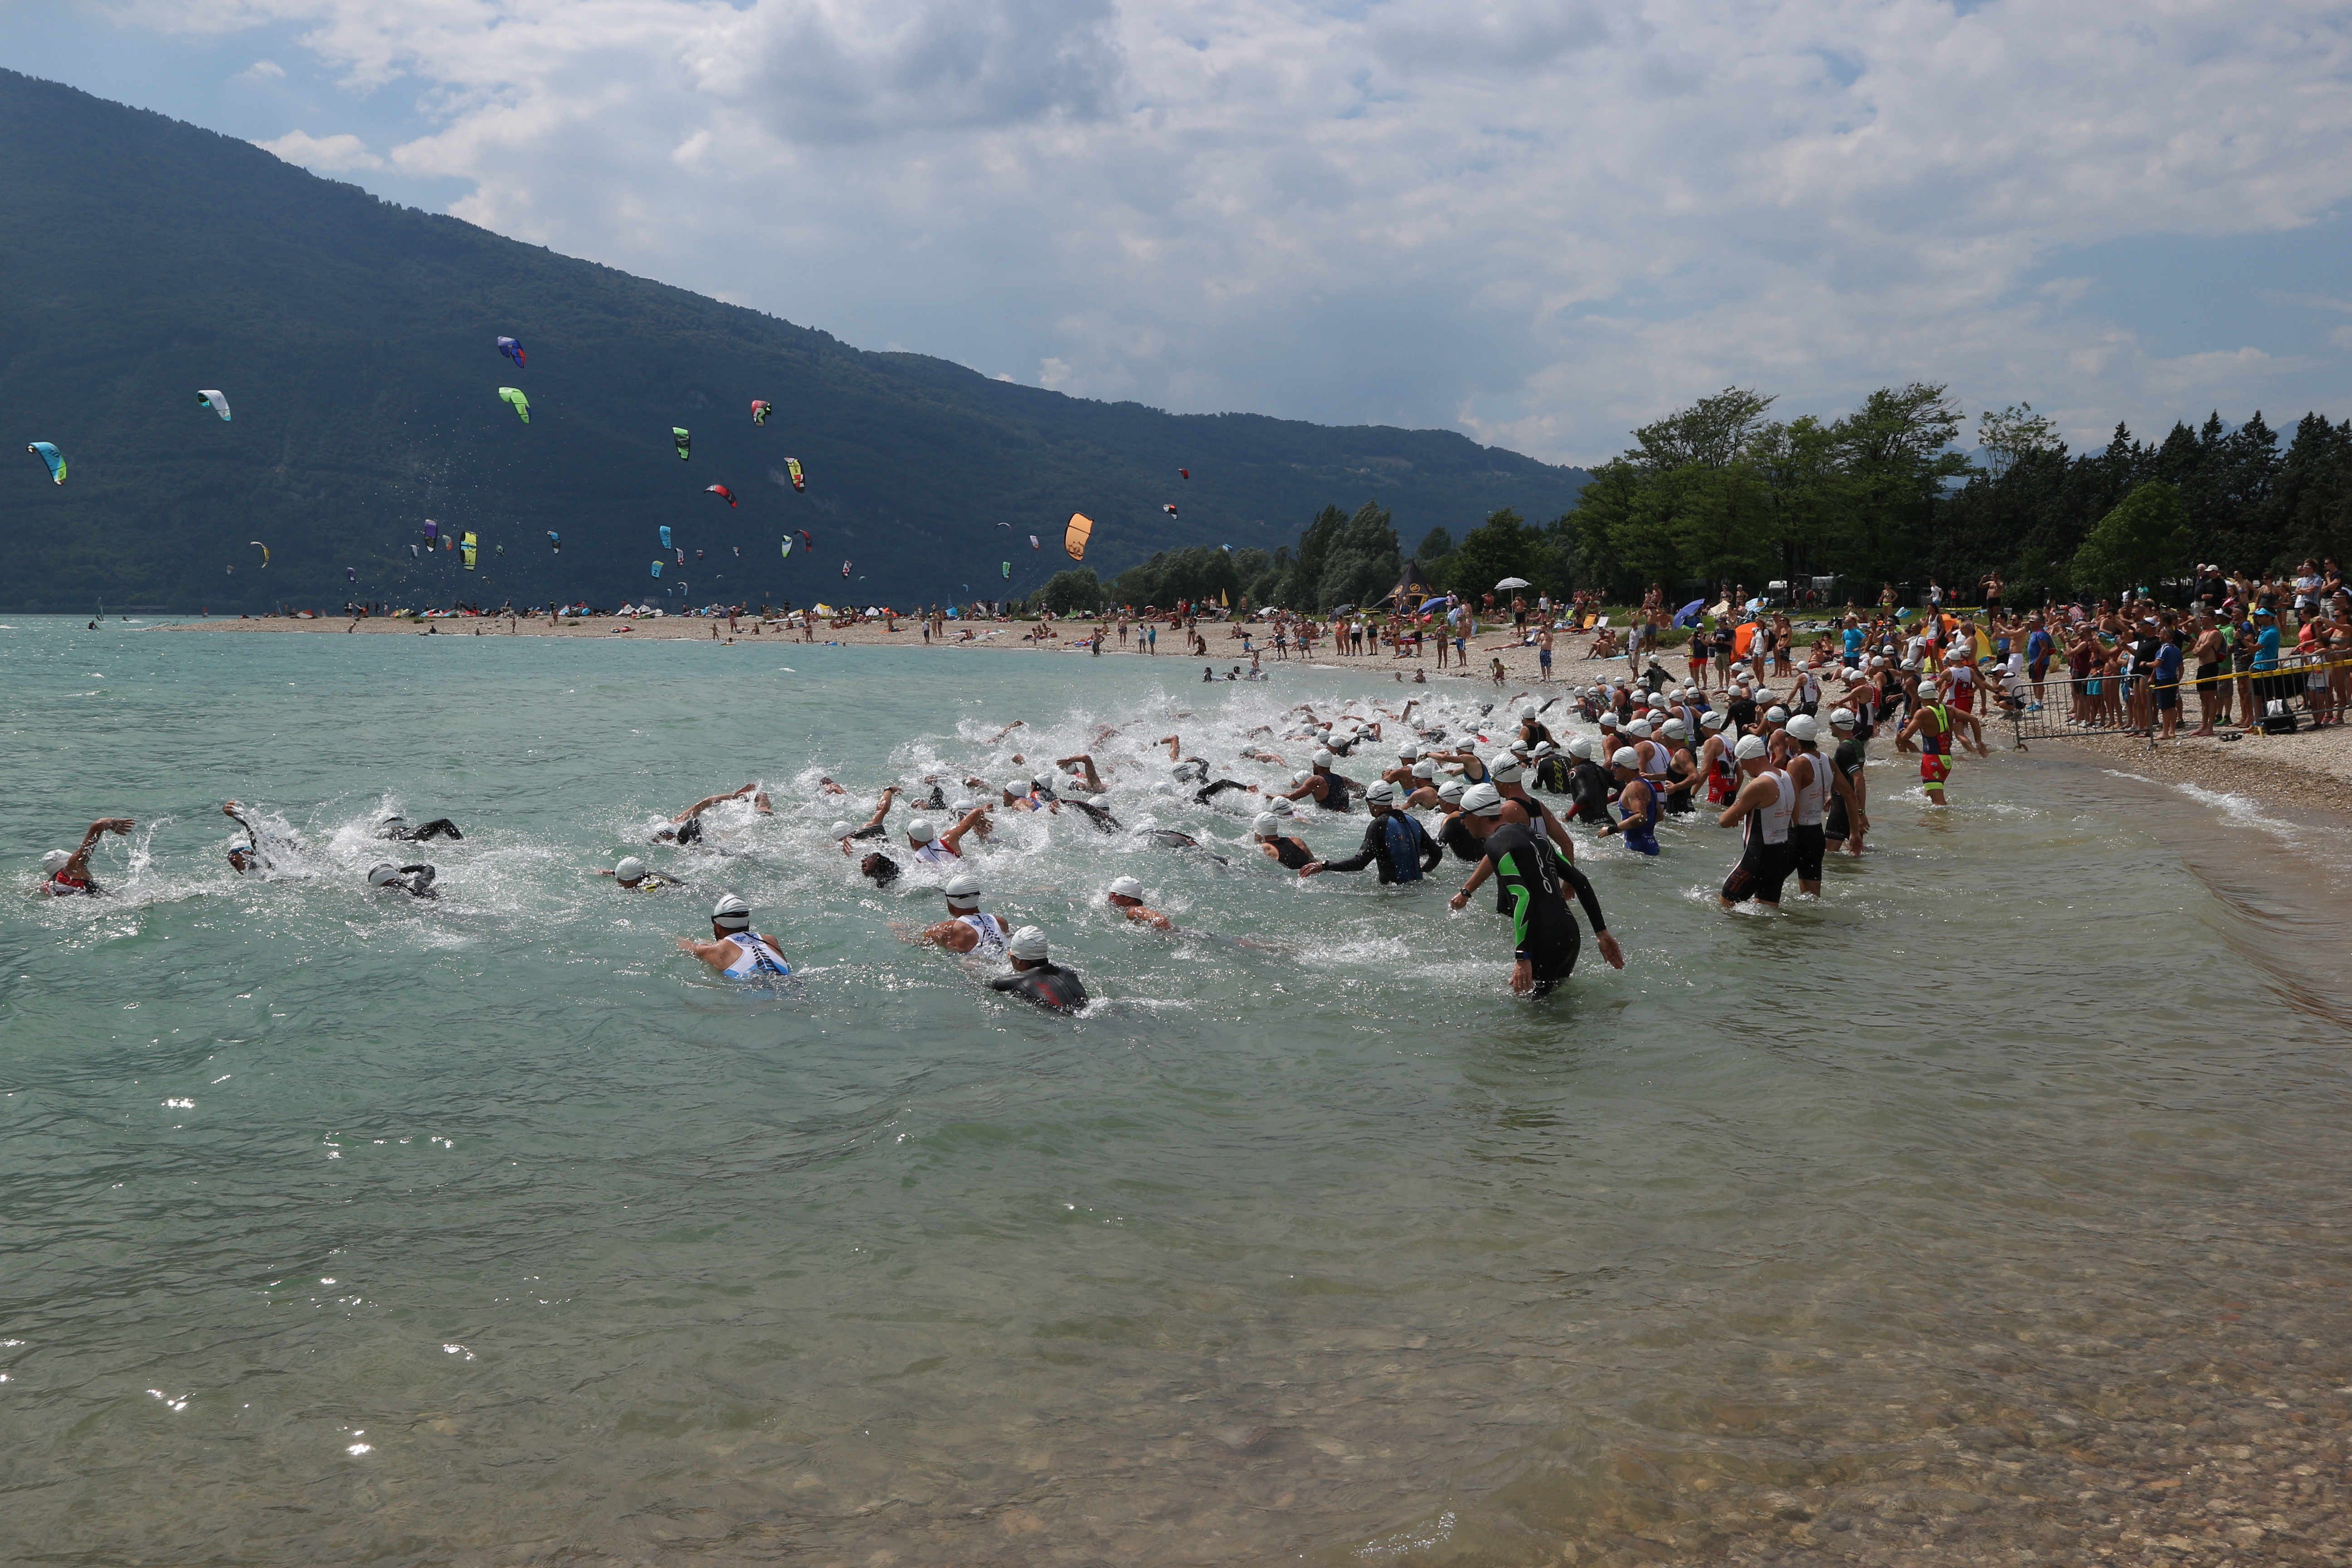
(1412, 587)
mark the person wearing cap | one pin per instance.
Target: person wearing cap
(1529, 879)
(735, 950)
(394, 826)
(65, 873)
(1505, 775)
(1326, 788)
(1401, 774)
(965, 929)
(1847, 821)
(845, 835)
(1715, 760)
(1638, 800)
(1420, 785)
(1763, 809)
(933, 848)
(1393, 842)
(417, 881)
(1935, 728)
(1590, 785)
(1289, 853)
(1553, 766)
(1035, 977)
(686, 827)
(631, 873)
(1808, 772)
(1531, 726)
(1125, 895)
(252, 855)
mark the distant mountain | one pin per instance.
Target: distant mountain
(354, 339)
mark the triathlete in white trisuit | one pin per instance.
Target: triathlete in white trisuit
(935, 849)
(966, 929)
(735, 950)
(1765, 804)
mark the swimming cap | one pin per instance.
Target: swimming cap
(1750, 747)
(1624, 758)
(1609, 720)
(382, 874)
(1383, 793)
(1451, 791)
(1543, 749)
(1529, 711)
(842, 830)
(1323, 759)
(1804, 727)
(1841, 719)
(1483, 800)
(1280, 805)
(1409, 754)
(1266, 823)
(1581, 746)
(1675, 730)
(1424, 770)
(1639, 729)
(920, 830)
(732, 913)
(963, 887)
(1302, 775)
(55, 860)
(630, 869)
(1505, 770)
(1776, 715)
(393, 820)
(1521, 749)
(1028, 943)
(1126, 886)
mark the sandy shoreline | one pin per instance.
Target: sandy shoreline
(2311, 771)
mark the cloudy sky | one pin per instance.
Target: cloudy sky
(1538, 223)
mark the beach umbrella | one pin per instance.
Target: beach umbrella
(1430, 603)
(1514, 583)
(1690, 611)
(1341, 609)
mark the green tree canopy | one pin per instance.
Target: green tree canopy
(2137, 545)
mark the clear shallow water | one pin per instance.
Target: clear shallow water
(497, 1230)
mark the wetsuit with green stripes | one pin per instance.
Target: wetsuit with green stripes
(1530, 877)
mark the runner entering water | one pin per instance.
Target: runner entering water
(1395, 843)
(735, 950)
(1529, 875)
(1765, 804)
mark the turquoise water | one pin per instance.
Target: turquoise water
(496, 1230)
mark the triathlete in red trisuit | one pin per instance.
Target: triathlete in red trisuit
(1935, 725)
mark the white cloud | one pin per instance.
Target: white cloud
(1543, 220)
(262, 70)
(323, 155)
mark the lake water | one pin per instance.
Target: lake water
(496, 1230)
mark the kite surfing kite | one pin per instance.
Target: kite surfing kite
(665, 533)
(1169, 507)
(1183, 473)
(432, 529)
(215, 401)
(512, 349)
(698, 556)
(1034, 544)
(806, 542)
(657, 566)
(721, 491)
(521, 404)
(351, 573)
(1008, 569)
(684, 442)
(738, 552)
(681, 557)
(554, 543)
(448, 543)
(1081, 529)
(788, 547)
(792, 466)
(466, 552)
(53, 457)
(263, 548)
(502, 550)
(760, 411)
(412, 556)
(845, 568)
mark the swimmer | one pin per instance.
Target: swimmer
(1590, 785)
(1037, 979)
(249, 857)
(1545, 939)
(879, 867)
(395, 826)
(1936, 726)
(686, 827)
(416, 881)
(1847, 820)
(1638, 802)
(965, 929)
(65, 874)
(1394, 842)
(1172, 839)
(1809, 770)
(1126, 896)
(1291, 854)
(1766, 802)
(631, 873)
(1504, 775)
(933, 848)
(735, 950)
(1326, 788)
(845, 835)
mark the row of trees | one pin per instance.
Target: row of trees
(1722, 492)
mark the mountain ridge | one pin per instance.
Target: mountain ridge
(354, 338)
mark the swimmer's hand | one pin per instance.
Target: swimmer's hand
(1611, 951)
(1311, 868)
(1458, 902)
(1523, 977)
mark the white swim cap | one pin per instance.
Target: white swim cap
(1409, 754)
(1281, 806)
(630, 869)
(1424, 770)
(1028, 943)
(1126, 886)
(1451, 791)
(1045, 781)
(842, 830)
(1521, 749)
(55, 860)
(1750, 747)
(1266, 823)
(1639, 729)
(1483, 800)
(1841, 719)
(1581, 746)
(920, 830)
(1675, 730)
(1609, 720)
(1804, 727)
(1529, 711)
(382, 874)
(1543, 749)
(732, 913)
(963, 887)
(1776, 714)
(1324, 759)
(1710, 719)
(1302, 775)
(1383, 793)
(1505, 770)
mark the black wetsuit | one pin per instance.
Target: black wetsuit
(1420, 852)
(1288, 855)
(1530, 876)
(871, 830)
(1459, 838)
(1553, 774)
(1210, 792)
(416, 881)
(1846, 762)
(1679, 789)
(1049, 985)
(1192, 770)
(1175, 840)
(1534, 733)
(440, 828)
(1102, 820)
(1588, 788)
(1334, 791)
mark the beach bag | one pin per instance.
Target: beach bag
(2278, 718)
